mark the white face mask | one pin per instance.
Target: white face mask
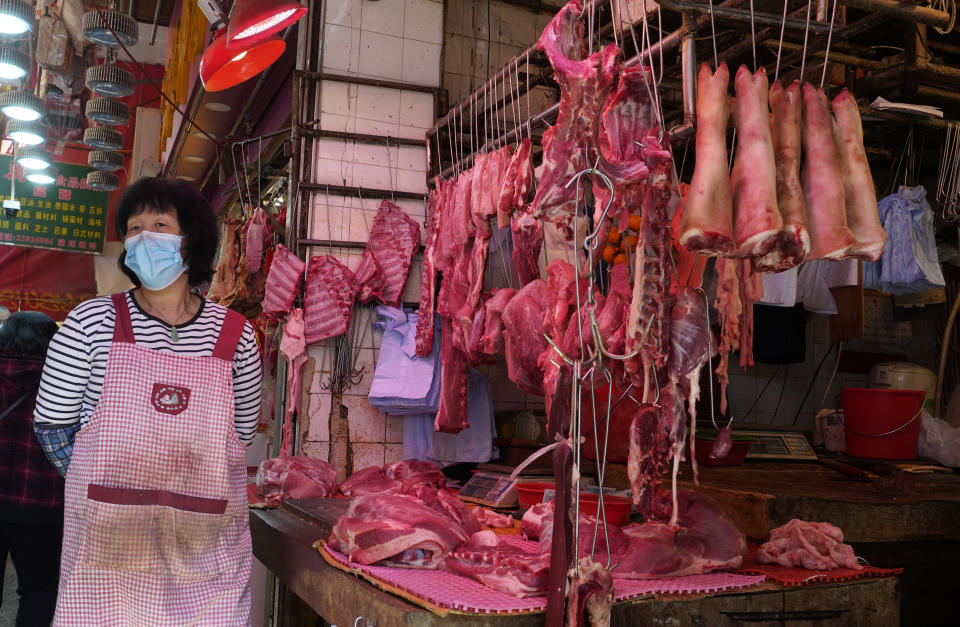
(155, 258)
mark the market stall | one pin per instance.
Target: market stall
(698, 197)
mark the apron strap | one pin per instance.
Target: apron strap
(122, 327)
(230, 333)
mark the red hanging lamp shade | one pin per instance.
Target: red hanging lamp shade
(222, 68)
(256, 20)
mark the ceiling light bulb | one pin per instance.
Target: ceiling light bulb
(26, 133)
(13, 64)
(41, 177)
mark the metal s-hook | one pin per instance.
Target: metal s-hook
(592, 238)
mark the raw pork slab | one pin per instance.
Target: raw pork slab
(328, 299)
(295, 477)
(383, 271)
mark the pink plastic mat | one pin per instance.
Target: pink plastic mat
(447, 591)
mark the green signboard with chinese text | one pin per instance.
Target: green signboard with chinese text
(64, 215)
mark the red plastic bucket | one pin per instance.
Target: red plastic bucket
(882, 424)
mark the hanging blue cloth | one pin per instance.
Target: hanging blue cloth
(404, 383)
(909, 262)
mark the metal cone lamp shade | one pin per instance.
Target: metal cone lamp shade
(14, 65)
(103, 181)
(34, 158)
(109, 28)
(253, 21)
(42, 177)
(105, 160)
(21, 105)
(16, 17)
(222, 68)
(103, 138)
(107, 111)
(110, 80)
(26, 133)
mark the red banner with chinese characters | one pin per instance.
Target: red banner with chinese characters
(52, 282)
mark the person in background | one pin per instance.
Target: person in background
(146, 403)
(31, 491)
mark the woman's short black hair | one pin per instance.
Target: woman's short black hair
(27, 333)
(196, 218)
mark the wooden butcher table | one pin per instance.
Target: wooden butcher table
(897, 520)
(283, 539)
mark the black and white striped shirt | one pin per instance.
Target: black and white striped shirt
(77, 359)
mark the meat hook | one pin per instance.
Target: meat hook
(591, 241)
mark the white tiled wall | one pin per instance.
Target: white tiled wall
(394, 40)
(786, 385)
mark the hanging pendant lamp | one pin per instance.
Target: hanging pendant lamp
(110, 80)
(103, 138)
(103, 181)
(34, 158)
(105, 160)
(21, 105)
(222, 68)
(26, 133)
(107, 111)
(16, 17)
(14, 65)
(109, 28)
(253, 21)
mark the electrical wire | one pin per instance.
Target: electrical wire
(813, 380)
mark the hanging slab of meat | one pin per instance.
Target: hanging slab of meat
(524, 342)
(859, 194)
(328, 299)
(452, 413)
(516, 183)
(395, 530)
(691, 344)
(461, 228)
(224, 279)
(383, 271)
(703, 541)
(756, 217)
(497, 173)
(708, 207)
(509, 569)
(527, 234)
(428, 272)
(591, 594)
(283, 282)
(583, 84)
(793, 242)
(293, 347)
(475, 356)
(729, 308)
(370, 480)
(446, 249)
(830, 237)
(812, 545)
(627, 119)
(650, 448)
(289, 477)
(492, 342)
(649, 313)
(751, 291)
(562, 544)
(479, 193)
(253, 239)
(614, 310)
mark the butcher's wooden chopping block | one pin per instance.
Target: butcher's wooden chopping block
(761, 496)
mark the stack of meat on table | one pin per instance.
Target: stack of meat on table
(402, 516)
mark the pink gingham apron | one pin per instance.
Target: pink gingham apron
(155, 527)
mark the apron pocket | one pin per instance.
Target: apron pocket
(122, 537)
(154, 531)
(188, 543)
